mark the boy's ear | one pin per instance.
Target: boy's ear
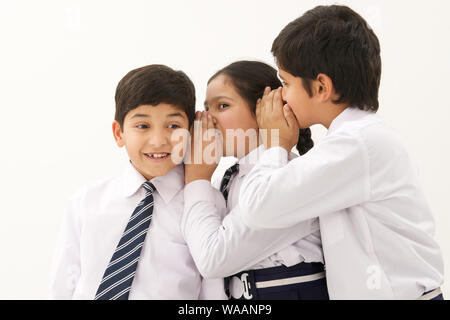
(118, 134)
(323, 87)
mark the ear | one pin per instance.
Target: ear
(323, 87)
(118, 134)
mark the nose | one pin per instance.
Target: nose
(158, 138)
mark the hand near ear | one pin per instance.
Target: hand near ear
(205, 149)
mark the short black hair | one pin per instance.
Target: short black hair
(250, 78)
(336, 41)
(152, 85)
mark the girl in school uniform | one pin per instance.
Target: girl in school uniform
(264, 264)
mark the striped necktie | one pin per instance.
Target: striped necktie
(225, 184)
(224, 188)
(119, 275)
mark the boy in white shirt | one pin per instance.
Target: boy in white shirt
(376, 227)
(121, 238)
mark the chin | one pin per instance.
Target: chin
(154, 171)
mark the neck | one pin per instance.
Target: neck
(332, 111)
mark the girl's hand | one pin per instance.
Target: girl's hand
(205, 150)
(271, 114)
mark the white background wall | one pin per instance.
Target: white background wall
(60, 62)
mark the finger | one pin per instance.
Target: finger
(218, 136)
(205, 124)
(260, 111)
(210, 122)
(213, 136)
(277, 101)
(200, 127)
(210, 127)
(204, 119)
(290, 117)
(258, 108)
(197, 123)
(269, 104)
(190, 147)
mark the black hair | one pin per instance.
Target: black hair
(336, 41)
(152, 85)
(250, 78)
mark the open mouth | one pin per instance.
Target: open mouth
(157, 156)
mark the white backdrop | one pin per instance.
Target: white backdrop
(61, 61)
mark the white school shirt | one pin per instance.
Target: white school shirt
(95, 221)
(376, 227)
(222, 245)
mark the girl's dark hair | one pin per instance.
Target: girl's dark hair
(250, 78)
(336, 41)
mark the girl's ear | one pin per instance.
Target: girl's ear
(323, 87)
(118, 134)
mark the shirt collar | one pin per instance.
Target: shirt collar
(247, 162)
(349, 114)
(167, 186)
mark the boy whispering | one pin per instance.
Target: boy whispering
(121, 238)
(376, 226)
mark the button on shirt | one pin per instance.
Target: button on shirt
(376, 227)
(94, 224)
(223, 245)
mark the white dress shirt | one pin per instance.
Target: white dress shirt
(223, 245)
(376, 227)
(96, 219)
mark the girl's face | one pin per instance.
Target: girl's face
(231, 113)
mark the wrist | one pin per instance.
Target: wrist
(286, 146)
(283, 144)
(191, 178)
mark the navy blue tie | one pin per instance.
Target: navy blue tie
(224, 188)
(118, 278)
(225, 183)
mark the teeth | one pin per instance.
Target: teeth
(157, 155)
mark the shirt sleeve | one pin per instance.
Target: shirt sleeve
(222, 246)
(66, 267)
(332, 176)
(212, 289)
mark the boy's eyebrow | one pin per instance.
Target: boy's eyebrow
(143, 115)
(176, 114)
(140, 115)
(280, 76)
(217, 98)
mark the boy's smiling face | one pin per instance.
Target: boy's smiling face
(147, 135)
